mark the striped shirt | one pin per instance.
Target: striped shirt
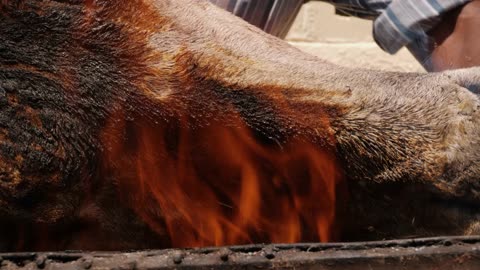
(398, 23)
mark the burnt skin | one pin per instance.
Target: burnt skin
(56, 95)
(94, 92)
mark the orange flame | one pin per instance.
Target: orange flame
(217, 185)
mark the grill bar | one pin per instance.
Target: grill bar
(418, 254)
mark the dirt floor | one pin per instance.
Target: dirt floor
(344, 40)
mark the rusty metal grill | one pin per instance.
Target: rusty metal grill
(427, 253)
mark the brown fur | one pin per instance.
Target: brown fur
(85, 86)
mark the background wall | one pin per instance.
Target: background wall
(344, 40)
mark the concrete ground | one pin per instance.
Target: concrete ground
(343, 40)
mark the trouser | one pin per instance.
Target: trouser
(273, 16)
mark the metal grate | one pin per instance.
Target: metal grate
(428, 253)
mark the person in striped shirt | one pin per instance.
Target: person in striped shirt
(441, 34)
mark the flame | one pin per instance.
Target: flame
(218, 185)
